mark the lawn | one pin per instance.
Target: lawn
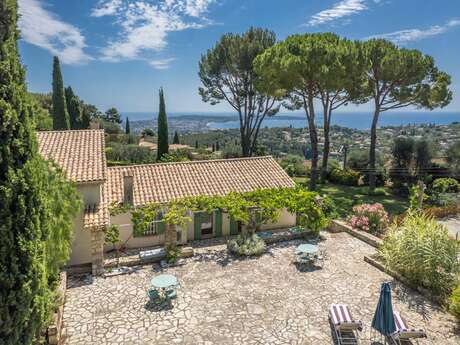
(345, 197)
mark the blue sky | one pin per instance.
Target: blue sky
(119, 52)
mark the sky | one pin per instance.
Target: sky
(118, 53)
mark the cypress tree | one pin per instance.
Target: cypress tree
(176, 138)
(127, 128)
(73, 108)
(196, 144)
(32, 195)
(60, 114)
(162, 144)
(85, 116)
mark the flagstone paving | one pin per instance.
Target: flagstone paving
(266, 300)
(453, 226)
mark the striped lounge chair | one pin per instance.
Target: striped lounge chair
(346, 329)
(403, 332)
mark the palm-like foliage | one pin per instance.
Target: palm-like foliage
(421, 250)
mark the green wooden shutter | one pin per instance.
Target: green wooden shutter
(161, 227)
(233, 227)
(217, 223)
(197, 225)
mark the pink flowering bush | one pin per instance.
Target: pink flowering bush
(370, 217)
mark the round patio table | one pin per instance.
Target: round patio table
(307, 248)
(164, 281)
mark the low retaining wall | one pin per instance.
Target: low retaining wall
(53, 331)
(286, 236)
(133, 260)
(342, 226)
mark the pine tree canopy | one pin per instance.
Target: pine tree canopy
(112, 115)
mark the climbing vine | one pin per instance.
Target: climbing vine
(254, 208)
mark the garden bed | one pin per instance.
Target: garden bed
(342, 226)
(378, 262)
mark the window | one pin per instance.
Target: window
(155, 227)
(206, 223)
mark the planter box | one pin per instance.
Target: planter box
(341, 226)
(135, 259)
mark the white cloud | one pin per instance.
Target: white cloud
(195, 8)
(161, 63)
(145, 25)
(411, 35)
(339, 10)
(106, 8)
(43, 29)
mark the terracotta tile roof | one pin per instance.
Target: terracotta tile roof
(97, 215)
(168, 181)
(79, 152)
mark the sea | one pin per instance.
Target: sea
(356, 120)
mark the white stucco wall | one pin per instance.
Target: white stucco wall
(127, 237)
(285, 220)
(129, 241)
(90, 192)
(81, 244)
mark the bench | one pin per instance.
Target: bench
(152, 255)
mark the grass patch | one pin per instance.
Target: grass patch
(345, 197)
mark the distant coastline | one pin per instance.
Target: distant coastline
(356, 120)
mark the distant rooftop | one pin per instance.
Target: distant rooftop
(164, 182)
(80, 153)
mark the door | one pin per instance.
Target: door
(206, 225)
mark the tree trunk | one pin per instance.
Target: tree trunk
(314, 143)
(345, 156)
(372, 153)
(170, 235)
(245, 144)
(327, 143)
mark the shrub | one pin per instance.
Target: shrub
(129, 154)
(370, 217)
(293, 165)
(344, 177)
(173, 254)
(445, 185)
(419, 248)
(247, 246)
(380, 178)
(454, 306)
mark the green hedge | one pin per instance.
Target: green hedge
(344, 177)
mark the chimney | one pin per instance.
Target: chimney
(128, 193)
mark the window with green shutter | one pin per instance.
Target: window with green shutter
(233, 227)
(197, 225)
(217, 223)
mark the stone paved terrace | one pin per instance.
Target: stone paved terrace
(453, 225)
(254, 301)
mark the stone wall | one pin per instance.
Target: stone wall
(97, 251)
(341, 226)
